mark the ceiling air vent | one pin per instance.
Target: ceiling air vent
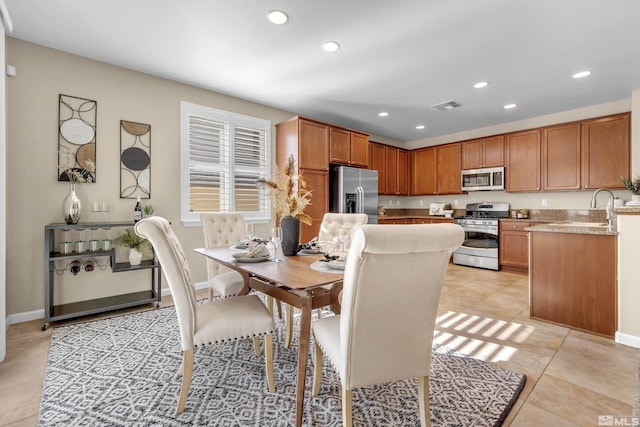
(447, 105)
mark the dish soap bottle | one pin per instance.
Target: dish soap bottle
(137, 211)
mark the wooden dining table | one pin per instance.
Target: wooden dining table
(292, 281)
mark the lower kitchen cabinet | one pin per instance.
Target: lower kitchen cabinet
(513, 246)
(572, 279)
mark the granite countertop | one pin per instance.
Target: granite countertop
(412, 216)
(574, 228)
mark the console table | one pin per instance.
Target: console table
(82, 308)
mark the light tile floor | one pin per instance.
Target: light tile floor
(572, 377)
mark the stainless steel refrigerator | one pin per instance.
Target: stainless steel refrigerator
(353, 190)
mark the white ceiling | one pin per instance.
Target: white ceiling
(397, 56)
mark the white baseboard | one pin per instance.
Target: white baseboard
(627, 339)
(27, 316)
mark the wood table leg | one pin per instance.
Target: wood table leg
(303, 353)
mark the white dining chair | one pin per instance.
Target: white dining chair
(329, 230)
(217, 322)
(222, 230)
(392, 282)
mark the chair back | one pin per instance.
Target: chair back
(220, 230)
(392, 282)
(169, 252)
(331, 223)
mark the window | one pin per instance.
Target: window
(222, 156)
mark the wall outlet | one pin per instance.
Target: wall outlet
(544, 202)
(397, 202)
(455, 203)
(421, 202)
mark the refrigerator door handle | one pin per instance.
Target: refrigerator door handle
(360, 192)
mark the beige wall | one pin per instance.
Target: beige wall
(34, 195)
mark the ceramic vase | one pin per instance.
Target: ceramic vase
(135, 257)
(290, 235)
(71, 207)
(635, 198)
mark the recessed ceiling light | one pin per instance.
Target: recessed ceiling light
(330, 46)
(581, 74)
(277, 17)
(383, 114)
(420, 127)
(480, 85)
(510, 106)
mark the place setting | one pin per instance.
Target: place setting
(257, 249)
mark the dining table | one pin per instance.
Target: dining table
(295, 280)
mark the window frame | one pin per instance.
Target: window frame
(188, 110)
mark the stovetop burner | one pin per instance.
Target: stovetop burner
(487, 210)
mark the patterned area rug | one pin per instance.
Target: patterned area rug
(124, 371)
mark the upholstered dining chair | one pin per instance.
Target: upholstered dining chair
(329, 228)
(222, 229)
(218, 321)
(400, 268)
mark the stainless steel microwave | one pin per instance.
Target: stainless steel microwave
(483, 179)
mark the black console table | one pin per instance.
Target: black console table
(82, 308)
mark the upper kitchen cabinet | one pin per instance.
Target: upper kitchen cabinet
(605, 151)
(396, 162)
(348, 147)
(377, 162)
(422, 164)
(448, 169)
(483, 152)
(392, 164)
(522, 161)
(435, 170)
(561, 157)
(307, 140)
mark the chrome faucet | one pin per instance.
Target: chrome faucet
(609, 206)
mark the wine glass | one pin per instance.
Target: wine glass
(249, 230)
(276, 239)
(343, 238)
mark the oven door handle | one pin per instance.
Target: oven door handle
(474, 228)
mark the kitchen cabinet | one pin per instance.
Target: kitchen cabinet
(348, 147)
(483, 152)
(53, 312)
(308, 141)
(377, 162)
(396, 171)
(435, 170)
(392, 166)
(448, 169)
(561, 148)
(605, 151)
(522, 161)
(513, 246)
(318, 183)
(423, 171)
(572, 280)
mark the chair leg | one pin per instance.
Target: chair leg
(270, 304)
(268, 360)
(288, 330)
(317, 370)
(210, 293)
(279, 305)
(187, 370)
(256, 346)
(346, 408)
(423, 400)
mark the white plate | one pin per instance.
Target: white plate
(242, 257)
(336, 264)
(310, 251)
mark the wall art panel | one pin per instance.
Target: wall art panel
(135, 160)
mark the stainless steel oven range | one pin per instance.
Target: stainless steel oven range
(480, 224)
